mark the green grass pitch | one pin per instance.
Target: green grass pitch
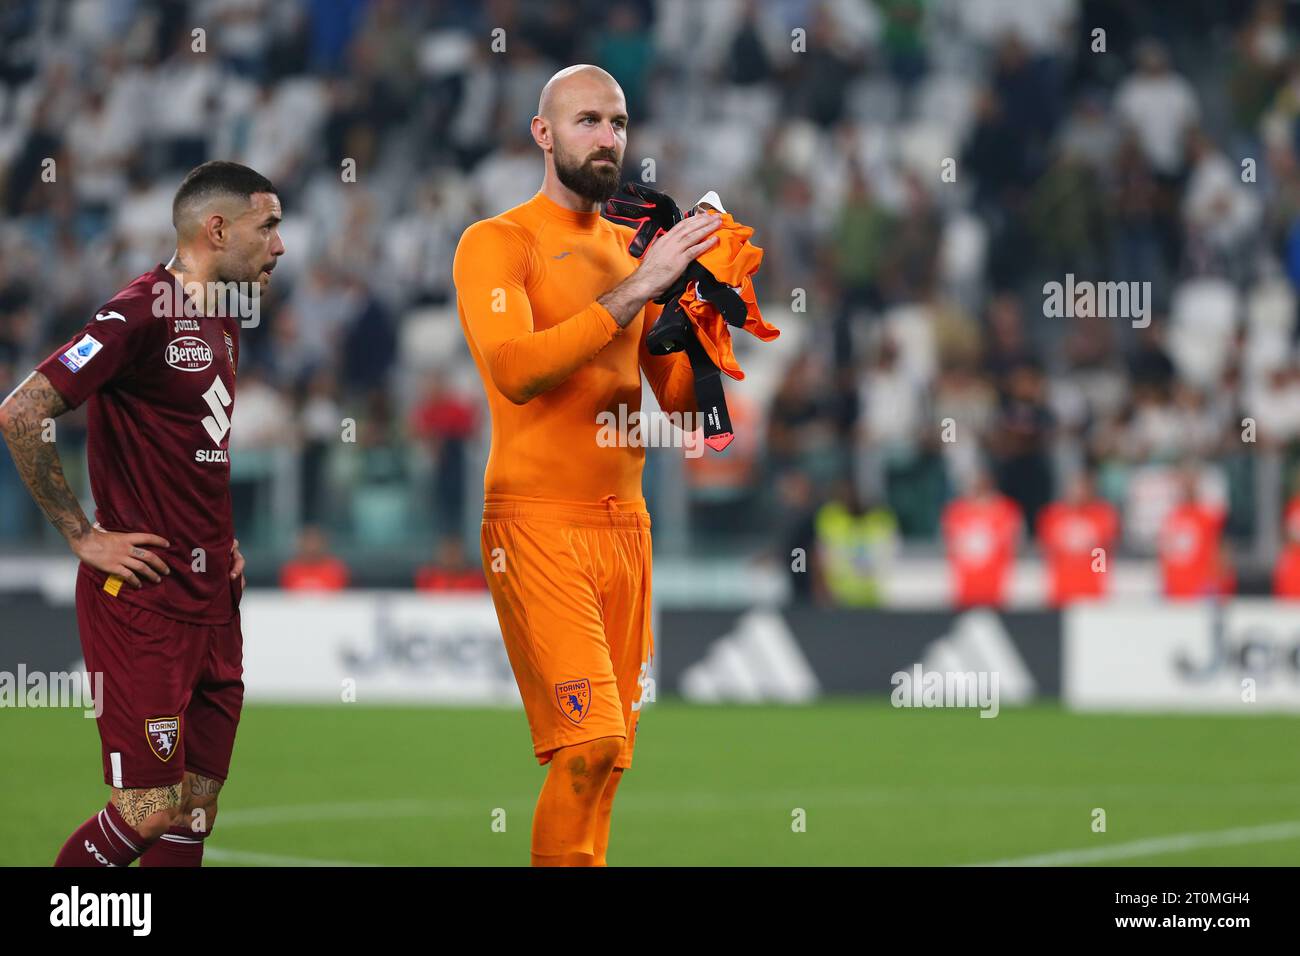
(711, 786)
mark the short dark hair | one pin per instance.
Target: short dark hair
(218, 177)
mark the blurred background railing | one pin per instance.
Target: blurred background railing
(916, 174)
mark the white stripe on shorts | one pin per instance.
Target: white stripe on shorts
(115, 762)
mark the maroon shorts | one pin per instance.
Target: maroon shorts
(172, 690)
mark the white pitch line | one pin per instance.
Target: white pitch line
(658, 802)
(267, 859)
(1154, 846)
(269, 816)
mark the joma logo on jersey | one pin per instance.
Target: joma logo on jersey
(189, 354)
(574, 698)
(163, 734)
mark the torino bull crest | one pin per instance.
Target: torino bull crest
(163, 733)
(574, 696)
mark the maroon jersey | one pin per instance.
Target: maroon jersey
(161, 392)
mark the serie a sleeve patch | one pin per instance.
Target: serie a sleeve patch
(76, 357)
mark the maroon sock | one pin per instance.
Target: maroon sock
(179, 846)
(103, 840)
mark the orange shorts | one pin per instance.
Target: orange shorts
(571, 585)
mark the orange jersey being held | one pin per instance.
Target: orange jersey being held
(552, 359)
(733, 260)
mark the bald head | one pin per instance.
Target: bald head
(574, 83)
(581, 124)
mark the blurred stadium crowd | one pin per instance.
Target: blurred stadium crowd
(917, 363)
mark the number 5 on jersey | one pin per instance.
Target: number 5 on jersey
(218, 399)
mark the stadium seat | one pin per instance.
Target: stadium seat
(962, 254)
(948, 101)
(380, 515)
(1204, 319)
(922, 146)
(1270, 319)
(427, 336)
(912, 329)
(874, 100)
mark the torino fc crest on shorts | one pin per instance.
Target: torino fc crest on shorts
(574, 696)
(163, 734)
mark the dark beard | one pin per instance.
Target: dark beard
(591, 182)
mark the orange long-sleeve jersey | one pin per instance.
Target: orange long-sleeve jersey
(551, 358)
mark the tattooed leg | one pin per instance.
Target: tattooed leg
(182, 844)
(199, 802)
(151, 811)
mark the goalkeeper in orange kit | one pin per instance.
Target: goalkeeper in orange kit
(555, 312)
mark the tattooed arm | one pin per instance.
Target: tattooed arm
(23, 417)
(22, 420)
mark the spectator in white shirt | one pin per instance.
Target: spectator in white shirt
(1159, 106)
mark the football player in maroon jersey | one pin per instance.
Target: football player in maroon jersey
(161, 575)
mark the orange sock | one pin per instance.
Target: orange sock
(564, 823)
(603, 815)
